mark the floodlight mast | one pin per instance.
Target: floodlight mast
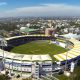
(66, 59)
(2, 45)
(12, 64)
(21, 67)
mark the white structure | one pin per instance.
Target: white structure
(28, 25)
(71, 35)
(72, 66)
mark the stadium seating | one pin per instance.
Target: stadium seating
(73, 53)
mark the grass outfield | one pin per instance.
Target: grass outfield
(39, 47)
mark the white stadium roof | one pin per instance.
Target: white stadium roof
(10, 55)
(71, 35)
(27, 58)
(45, 57)
(36, 58)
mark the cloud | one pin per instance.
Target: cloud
(3, 3)
(45, 10)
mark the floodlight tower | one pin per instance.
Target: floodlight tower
(28, 25)
(66, 57)
(21, 64)
(3, 43)
(66, 61)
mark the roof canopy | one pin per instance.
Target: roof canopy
(9, 55)
(71, 35)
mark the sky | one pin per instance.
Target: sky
(13, 8)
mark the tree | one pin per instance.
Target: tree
(4, 77)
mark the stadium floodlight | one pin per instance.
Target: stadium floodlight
(12, 64)
(28, 25)
(21, 65)
(66, 61)
(2, 44)
(66, 58)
